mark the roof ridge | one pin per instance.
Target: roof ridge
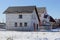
(22, 6)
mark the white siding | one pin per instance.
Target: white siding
(35, 19)
(12, 18)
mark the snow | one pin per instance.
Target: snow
(16, 35)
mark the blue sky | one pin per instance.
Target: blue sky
(53, 6)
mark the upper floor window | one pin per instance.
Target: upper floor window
(45, 16)
(20, 16)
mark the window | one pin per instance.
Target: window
(20, 24)
(15, 24)
(20, 16)
(25, 24)
(45, 16)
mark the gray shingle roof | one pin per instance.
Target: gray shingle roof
(41, 9)
(20, 9)
(24, 9)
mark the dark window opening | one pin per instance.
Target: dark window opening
(25, 24)
(37, 26)
(20, 16)
(20, 24)
(45, 16)
(15, 24)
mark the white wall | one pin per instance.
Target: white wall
(30, 18)
(11, 18)
(35, 19)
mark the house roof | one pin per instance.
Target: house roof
(41, 9)
(20, 9)
(24, 9)
(37, 14)
(51, 19)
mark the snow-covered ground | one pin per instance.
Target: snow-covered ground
(54, 34)
(16, 35)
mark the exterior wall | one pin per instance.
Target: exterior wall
(35, 19)
(11, 18)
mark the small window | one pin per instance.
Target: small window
(15, 24)
(20, 24)
(25, 24)
(20, 16)
(45, 16)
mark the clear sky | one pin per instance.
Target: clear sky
(53, 6)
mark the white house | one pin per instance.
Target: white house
(21, 18)
(24, 17)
